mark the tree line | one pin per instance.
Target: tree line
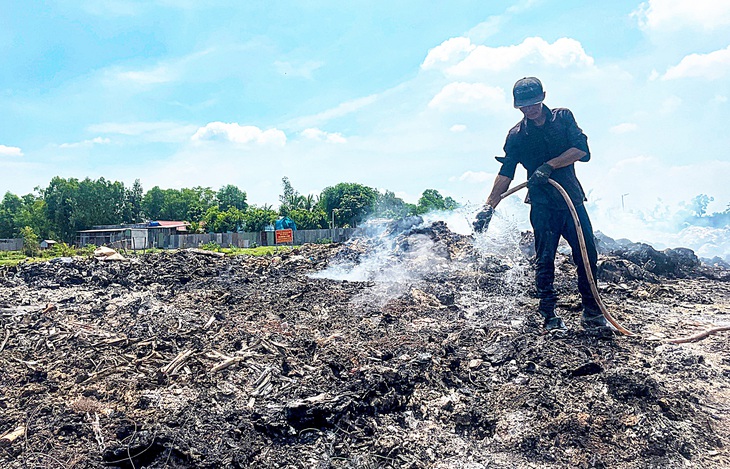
(66, 206)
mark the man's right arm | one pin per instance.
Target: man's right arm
(501, 185)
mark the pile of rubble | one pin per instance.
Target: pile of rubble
(409, 348)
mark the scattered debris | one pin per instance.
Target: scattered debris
(431, 357)
(104, 253)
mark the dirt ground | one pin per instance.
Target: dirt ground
(429, 356)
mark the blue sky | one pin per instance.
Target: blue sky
(403, 96)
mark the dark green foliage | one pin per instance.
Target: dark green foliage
(431, 200)
(181, 205)
(256, 219)
(304, 210)
(217, 221)
(30, 241)
(69, 205)
(10, 209)
(231, 196)
(309, 220)
(390, 206)
(350, 202)
(132, 212)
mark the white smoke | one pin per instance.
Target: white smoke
(666, 227)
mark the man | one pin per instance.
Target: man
(547, 142)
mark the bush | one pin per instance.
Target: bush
(87, 250)
(211, 246)
(31, 247)
(62, 250)
(324, 241)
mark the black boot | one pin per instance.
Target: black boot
(593, 318)
(553, 322)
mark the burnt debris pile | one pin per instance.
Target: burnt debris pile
(405, 347)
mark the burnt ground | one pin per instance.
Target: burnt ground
(434, 358)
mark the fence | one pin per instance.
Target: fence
(262, 238)
(11, 244)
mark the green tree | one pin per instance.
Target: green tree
(196, 202)
(351, 203)
(98, 202)
(431, 200)
(172, 204)
(290, 199)
(61, 198)
(309, 219)
(231, 196)
(256, 219)
(30, 241)
(217, 221)
(33, 214)
(10, 209)
(152, 203)
(390, 206)
(133, 203)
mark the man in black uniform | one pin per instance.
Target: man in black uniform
(547, 143)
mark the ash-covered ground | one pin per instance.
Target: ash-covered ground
(413, 347)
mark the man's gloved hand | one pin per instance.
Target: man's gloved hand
(540, 176)
(483, 218)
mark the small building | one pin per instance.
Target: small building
(47, 243)
(132, 236)
(159, 232)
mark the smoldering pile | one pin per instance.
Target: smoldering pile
(430, 358)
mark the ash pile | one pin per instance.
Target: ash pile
(408, 346)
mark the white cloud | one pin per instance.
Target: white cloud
(447, 51)
(719, 99)
(712, 66)
(10, 151)
(341, 110)
(564, 52)
(624, 128)
(217, 131)
(458, 128)
(474, 177)
(167, 71)
(679, 14)
(87, 143)
(302, 70)
(169, 132)
(459, 94)
(155, 76)
(322, 136)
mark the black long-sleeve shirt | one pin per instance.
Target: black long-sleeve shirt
(531, 146)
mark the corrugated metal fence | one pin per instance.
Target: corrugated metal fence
(249, 239)
(11, 244)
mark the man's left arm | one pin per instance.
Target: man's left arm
(567, 158)
(578, 142)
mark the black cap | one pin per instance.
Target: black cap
(528, 91)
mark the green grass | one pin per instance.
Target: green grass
(258, 251)
(11, 258)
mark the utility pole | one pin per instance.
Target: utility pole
(622, 201)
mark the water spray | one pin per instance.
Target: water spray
(591, 279)
(584, 253)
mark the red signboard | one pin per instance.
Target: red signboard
(284, 236)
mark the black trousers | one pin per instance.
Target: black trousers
(549, 225)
